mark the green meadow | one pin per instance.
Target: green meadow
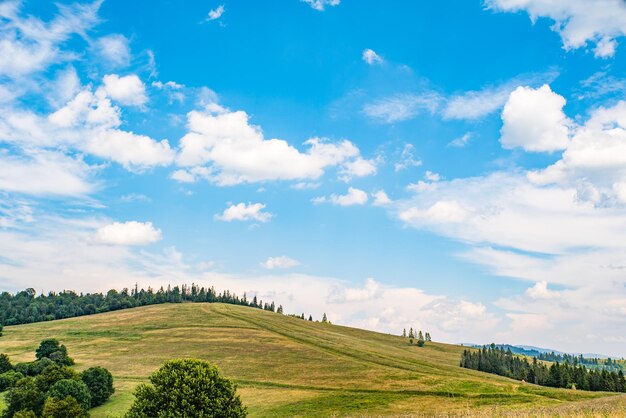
(287, 367)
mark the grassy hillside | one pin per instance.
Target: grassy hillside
(288, 367)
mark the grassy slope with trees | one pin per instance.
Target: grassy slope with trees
(285, 366)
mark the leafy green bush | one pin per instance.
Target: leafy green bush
(100, 383)
(24, 414)
(63, 408)
(52, 374)
(24, 396)
(5, 363)
(76, 389)
(50, 348)
(9, 379)
(187, 388)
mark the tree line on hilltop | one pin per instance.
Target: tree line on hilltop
(559, 375)
(26, 306)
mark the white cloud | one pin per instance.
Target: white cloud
(216, 13)
(430, 176)
(594, 159)
(114, 50)
(371, 57)
(34, 44)
(461, 141)
(128, 233)
(533, 119)
(540, 291)
(441, 212)
(281, 262)
(476, 104)
(407, 159)
(358, 167)
(320, 5)
(128, 90)
(381, 198)
(402, 106)
(353, 197)
(236, 152)
(44, 173)
(133, 152)
(245, 212)
(578, 22)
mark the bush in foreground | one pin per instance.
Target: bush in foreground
(63, 408)
(76, 389)
(187, 388)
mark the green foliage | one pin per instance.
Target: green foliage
(187, 388)
(421, 343)
(76, 389)
(52, 374)
(9, 379)
(24, 414)
(33, 368)
(25, 307)
(67, 407)
(497, 361)
(51, 349)
(99, 381)
(24, 396)
(5, 363)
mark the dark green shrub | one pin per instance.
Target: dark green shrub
(76, 389)
(53, 374)
(24, 396)
(5, 363)
(63, 408)
(100, 383)
(9, 379)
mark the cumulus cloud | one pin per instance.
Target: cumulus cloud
(128, 90)
(371, 57)
(381, 198)
(578, 22)
(216, 13)
(129, 233)
(540, 291)
(245, 212)
(533, 119)
(280, 262)
(359, 167)
(320, 5)
(232, 151)
(114, 50)
(353, 197)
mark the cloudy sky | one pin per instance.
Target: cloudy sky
(458, 167)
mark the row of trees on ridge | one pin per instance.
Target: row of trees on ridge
(559, 375)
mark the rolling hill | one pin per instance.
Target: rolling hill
(285, 366)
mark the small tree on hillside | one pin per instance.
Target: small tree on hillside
(404, 332)
(411, 334)
(311, 318)
(63, 408)
(428, 339)
(420, 339)
(56, 352)
(280, 309)
(5, 364)
(187, 388)
(99, 381)
(74, 388)
(324, 318)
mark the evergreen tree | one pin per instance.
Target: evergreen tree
(411, 335)
(324, 318)
(404, 332)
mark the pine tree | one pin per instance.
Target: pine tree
(428, 339)
(280, 309)
(324, 318)
(404, 332)
(420, 336)
(411, 334)
(311, 318)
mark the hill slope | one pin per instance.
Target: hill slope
(289, 367)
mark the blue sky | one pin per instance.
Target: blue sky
(455, 166)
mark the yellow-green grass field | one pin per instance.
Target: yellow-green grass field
(287, 367)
